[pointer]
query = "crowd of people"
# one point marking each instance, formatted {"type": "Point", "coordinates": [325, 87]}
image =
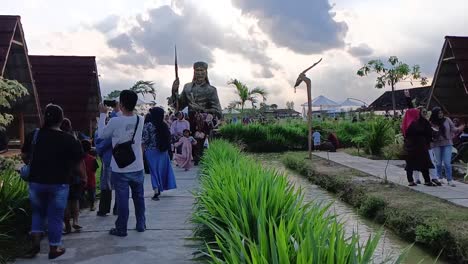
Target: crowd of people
{"type": "Point", "coordinates": [63, 168]}
{"type": "Point", "coordinates": [428, 144]}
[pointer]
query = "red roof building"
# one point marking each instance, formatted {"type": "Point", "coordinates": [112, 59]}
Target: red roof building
{"type": "Point", "coordinates": [71, 82]}
{"type": "Point", "coordinates": [449, 88]}
{"type": "Point", "coordinates": [14, 65]}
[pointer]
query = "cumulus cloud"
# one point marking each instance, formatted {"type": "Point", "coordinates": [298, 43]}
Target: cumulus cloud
{"type": "Point", "coordinates": [107, 24]}
{"type": "Point", "coordinates": [361, 50]}
{"type": "Point", "coordinates": [304, 26]}
{"type": "Point", "coordinates": [195, 33]}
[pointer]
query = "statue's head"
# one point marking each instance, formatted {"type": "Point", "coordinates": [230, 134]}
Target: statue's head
{"type": "Point", "coordinates": [200, 73]}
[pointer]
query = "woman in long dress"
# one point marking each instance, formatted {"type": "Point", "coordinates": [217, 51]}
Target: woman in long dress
{"type": "Point", "coordinates": [417, 133]}
{"type": "Point", "coordinates": [157, 141]}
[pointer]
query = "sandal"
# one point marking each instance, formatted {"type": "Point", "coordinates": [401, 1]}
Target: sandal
{"type": "Point", "coordinates": [32, 253]}
{"type": "Point", "coordinates": [59, 251]}
{"type": "Point", "coordinates": [115, 232]}
{"type": "Point", "coordinates": [437, 182]}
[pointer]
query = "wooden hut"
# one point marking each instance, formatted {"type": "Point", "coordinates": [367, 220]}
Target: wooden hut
{"type": "Point", "coordinates": [384, 102]}
{"type": "Point", "coordinates": [449, 87]}
{"type": "Point", "coordinates": [15, 65]}
{"type": "Point", "coordinates": [71, 82]}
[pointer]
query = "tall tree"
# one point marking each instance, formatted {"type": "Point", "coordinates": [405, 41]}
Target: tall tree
{"type": "Point", "coordinates": [113, 95]}
{"type": "Point", "coordinates": [144, 87]}
{"type": "Point", "coordinates": [391, 74]}
{"type": "Point", "coordinates": [140, 87]}
{"type": "Point", "coordinates": [290, 105]}
{"type": "Point", "coordinates": [245, 94]}
{"type": "Point", "coordinates": [10, 91]}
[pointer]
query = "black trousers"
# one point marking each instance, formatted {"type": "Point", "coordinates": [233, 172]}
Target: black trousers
{"type": "Point", "coordinates": [105, 202]}
{"type": "Point", "coordinates": [425, 174]}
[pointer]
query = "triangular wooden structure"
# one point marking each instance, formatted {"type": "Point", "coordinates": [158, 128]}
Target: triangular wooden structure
{"type": "Point", "coordinates": [449, 88]}
{"type": "Point", "coordinates": [14, 65]}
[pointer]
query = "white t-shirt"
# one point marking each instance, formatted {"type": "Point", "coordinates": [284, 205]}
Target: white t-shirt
{"type": "Point", "coordinates": [120, 129]}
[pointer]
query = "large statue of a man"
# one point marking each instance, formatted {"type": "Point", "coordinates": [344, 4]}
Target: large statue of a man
{"type": "Point", "coordinates": [198, 95]}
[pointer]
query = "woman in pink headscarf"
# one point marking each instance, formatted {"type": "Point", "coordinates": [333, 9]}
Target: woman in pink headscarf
{"type": "Point", "coordinates": [184, 160]}
{"type": "Point", "coordinates": [418, 134]}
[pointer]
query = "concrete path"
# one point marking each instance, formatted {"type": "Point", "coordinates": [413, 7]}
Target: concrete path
{"type": "Point", "coordinates": [164, 241]}
{"type": "Point", "coordinates": [457, 195]}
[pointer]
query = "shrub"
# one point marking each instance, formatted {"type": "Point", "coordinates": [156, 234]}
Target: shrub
{"type": "Point", "coordinates": [267, 137]}
{"type": "Point", "coordinates": [346, 131]}
{"type": "Point", "coordinates": [371, 206]}
{"type": "Point", "coordinates": [249, 214]}
{"type": "Point", "coordinates": [14, 211]}
{"type": "Point", "coordinates": [392, 151]}
{"type": "Point", "coordinates": [379, 135]}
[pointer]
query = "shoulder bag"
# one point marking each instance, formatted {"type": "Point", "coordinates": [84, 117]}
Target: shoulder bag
{"type": "Point", "coordinates": [123, 152]}
{"type": "Point", "coordinates": [25, 171]}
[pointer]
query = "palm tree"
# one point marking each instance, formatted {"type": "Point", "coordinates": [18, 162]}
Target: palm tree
{"type": "Point", "coordinates": [144, 87]}
{"type": "Point", "coordinates": [245, 94]}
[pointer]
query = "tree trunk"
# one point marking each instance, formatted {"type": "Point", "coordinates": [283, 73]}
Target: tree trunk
{"type": "Point", "coordinates": [393, 100]}
{"type": "Point", "coordinates": [309, 120]}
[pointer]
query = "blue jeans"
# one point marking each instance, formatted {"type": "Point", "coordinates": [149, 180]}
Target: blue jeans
{"type": "Point", "coordinates": [122, 182]}
{"type": "Point", "coordinates": [48, 200]}
{"type": "Point", "coordinates": [444, 155]}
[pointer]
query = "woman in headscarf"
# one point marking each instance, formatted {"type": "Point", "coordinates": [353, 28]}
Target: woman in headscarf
{"type": "Point", "coordinates": [417, 133]}
{"type": "Point", "coordinates": [157, 141]}
{"type": "Point", "coordinates": [442, 142]}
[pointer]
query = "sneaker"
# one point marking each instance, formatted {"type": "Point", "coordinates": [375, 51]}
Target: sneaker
{"type": "Point", "coordinates": [155, 197]}
{"type": "Point", "coordinates": [418, 182]}
{"type": "Point", "coordinates": [429, 184]}
{"type": "Point", "coordinates": [115, 232]}
{"type": "Point", "coordinates": [442, 181]}
{"type": "Point", "coordinates": [141, 228]}
{"type": "Point", "coordinates": [101, 214]}
{"type": "Point", "coordinates": [412, 184]}
{"type": "Point", "coordinates": [451, 183]}
{"type": "Point", "coordinates": [436, 182]}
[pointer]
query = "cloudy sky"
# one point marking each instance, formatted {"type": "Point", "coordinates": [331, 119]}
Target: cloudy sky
{"type": "Point", "coordinates": [264, 43]}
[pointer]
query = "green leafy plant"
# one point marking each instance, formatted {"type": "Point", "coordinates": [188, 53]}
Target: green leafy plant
{"type": "Point", "coordinates": [10, 91]}
{"type": "Point", "coordinates": [245, 213]}
{"type": "Point", "coordinates": [14, 212]}
{"type": "Point", "coordinates": [392, 74]}
{"type": "Point", "coordinates": [379, 135]}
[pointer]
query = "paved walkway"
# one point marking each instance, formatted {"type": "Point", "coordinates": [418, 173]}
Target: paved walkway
{"type": "Point", "coordinates": [164, 241]}
{"type": "Point", "coordinates": [457, 195]}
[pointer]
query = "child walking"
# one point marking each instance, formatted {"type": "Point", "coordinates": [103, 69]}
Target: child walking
{"type": "Point", "coordinates": [184, 160]}
{"type": "Point", "coordinates": [91, 168]}
{"type": "Point", "coordinates": [316, 136]}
